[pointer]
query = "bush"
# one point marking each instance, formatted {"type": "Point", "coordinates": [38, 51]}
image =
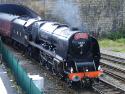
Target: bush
{"type": "Point", "coordinates": [116, 35]}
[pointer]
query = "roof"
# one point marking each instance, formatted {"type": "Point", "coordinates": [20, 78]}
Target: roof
{"type": "Point", "coordinates": [19, 10]}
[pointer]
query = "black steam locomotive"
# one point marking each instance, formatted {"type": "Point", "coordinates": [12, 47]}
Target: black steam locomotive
{"type": "Point", "coordinates": [69, 53]}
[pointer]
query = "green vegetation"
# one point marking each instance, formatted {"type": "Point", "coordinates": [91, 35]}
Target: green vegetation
{"type": "Point", "coordinates": [116, 35]}
{"type": "Point", "coordinates": [117, 45]}
{"type": "Point", "coordinates": [114, 41]}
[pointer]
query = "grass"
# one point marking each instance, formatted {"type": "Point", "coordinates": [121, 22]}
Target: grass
{"type": "Point", "coordinates": [114, 45]}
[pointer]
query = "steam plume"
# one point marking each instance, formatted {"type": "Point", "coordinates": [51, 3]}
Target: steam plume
{"type": "Point", "coordinates": [70, 12]}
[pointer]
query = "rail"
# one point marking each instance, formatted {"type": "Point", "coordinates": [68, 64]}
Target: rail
{"type": "Point", "coordinates": [114, 67]}
{"type": "Point", "coordinates": [105, 87]}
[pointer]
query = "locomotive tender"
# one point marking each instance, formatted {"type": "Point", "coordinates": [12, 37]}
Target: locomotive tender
{"type": "Point", "coordinates": [70, 53]}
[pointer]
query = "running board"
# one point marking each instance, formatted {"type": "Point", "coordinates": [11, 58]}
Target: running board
{"type": "Point", "coordinates": [46, 51]}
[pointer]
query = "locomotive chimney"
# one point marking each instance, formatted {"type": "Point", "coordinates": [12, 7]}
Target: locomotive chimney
{"type": "Point", "coordinates": [74, 29]}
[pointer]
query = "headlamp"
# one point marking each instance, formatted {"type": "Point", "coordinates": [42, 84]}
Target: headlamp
{"type": "Point", "coordinates": [76, 78]}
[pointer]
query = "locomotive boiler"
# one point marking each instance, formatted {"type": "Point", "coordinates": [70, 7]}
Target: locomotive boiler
{"type": "Point", "coordinates": [68, 52]}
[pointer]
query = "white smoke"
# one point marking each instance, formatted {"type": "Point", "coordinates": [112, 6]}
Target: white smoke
{"type": "Point", "coordinates": [70, 12]}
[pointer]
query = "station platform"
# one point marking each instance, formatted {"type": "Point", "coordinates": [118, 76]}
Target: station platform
{"type": "Point", "coordinates": [6, 86]}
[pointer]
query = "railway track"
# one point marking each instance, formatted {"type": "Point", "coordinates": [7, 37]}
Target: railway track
{"type": "Point", "coordinates": [116, 74]}
{"type": "Point", "coordinates": [105, 87]}
{"type": "Point", "coordinates": [113, 58]}
{"type": "Point", "coordinates": [114, 67]}
{"type": "Point", "coordinates": [117, 65]}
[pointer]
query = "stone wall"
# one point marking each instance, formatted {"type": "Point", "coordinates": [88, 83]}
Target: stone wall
{"type": "Point", "coordinates": [97, 15]}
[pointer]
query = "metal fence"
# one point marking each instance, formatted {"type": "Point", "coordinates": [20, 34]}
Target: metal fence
{"type": "Point", "coordinates": [21, 76]}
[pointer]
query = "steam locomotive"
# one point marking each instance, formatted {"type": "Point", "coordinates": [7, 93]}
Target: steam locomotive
{"type": "Point", "coordinates": [68, 53]}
